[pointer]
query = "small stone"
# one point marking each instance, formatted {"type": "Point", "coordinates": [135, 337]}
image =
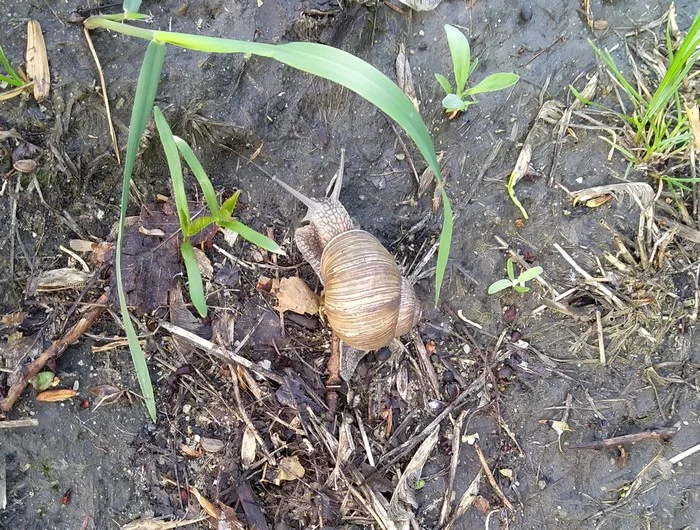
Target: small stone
{"type": "Point", "coordinates": [24, 166]}
{"type": "Point", "coordinates": [526, 12]}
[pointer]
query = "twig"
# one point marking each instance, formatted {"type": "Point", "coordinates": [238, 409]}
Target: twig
{"type": "Point", "coordinates": [220, 352]}
{"type": "Point", "coordinates": [365, 440]}
{"type": "Point", "coordinates": [663, 433]}
{"type": "Point", "coordinates": [113, 135]}
{"type": "Point", "coordinates": [18, 424]}
{"type": "Point", "coordinates": [54, 351]}
{"type": "Point", "coordinates": [601, 338]}
{"type": "Point", "coordinates": [428, 367]}
{"type": "Point", "coordinates": [684, 454]}
{"type": "Point", "coordinates": [466, 501]}
{"type": "Point", "coordinates": [408, 155]}
{"type": "Point", "coordinates": [456, 439]}
{"type": "Point", "coordinates": [333, 381]}
{"type": "Point", "coordinates": [490, 477]}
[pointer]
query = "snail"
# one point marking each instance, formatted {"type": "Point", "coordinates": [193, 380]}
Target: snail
{"type": "Point", "coordinates": [367, 302]}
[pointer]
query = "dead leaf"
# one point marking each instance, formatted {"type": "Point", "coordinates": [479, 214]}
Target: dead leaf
{"type": "Point", "coordinates": [248, 448]}
{"type": "Point", "coordinates": [404, 77]}
{"type": "Point", "coordinates": [600, 24]}
{"type": "Point", "coordinates": [37, 61]}
{"type": "Point", "coordinates": [694, 121]}
{"type": "Point", "coordinates": [228, 520]}
{"type": "Point", "coordinates": [294, 295]}
{"type": "Point", "coordinates": [58, 279]}
{"type": "Point", "coordinates": [428, 176]}
{"type": "Point", "coordinates": [13, 319]}
{"type": "Point", "coordinates": [289, 469]}
{"type": "Point", "coordinates": [191, 451]}
{"type": "Point", "coordinates": [404, 493]}
{"type": "Point", "coordinates": [53, 396]}
{"type": "Point", "coordinates": [179, 314]}
{"type": "Point", "coordinates": [211, 445]}
{"type": "Point", "coordinates": [157, 524]}
{"type": "Point", "coordinates": [203, 263]}
{"type": "Point", "coordinates": [421, 5]}
{"type": "Point", "coordinates": [206, 505]}
{"type": "Point", "coordinates": [97, 257]}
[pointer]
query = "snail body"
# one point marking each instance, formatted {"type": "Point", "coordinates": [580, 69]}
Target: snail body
{"type": "Point", "coordinates": [367, 301]}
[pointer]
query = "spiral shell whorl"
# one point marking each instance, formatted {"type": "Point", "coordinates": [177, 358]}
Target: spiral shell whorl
{"type": "Point", "coordinates": [362, 293]}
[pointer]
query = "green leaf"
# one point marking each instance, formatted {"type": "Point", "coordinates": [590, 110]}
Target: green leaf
{"type": "Point", "coordinates": [452, 102]}
{"type": "Point", "coordinates": [146, 89]}
{"type": "Point", "coordinates": [42, 380]}
{"type": "Point", "coordinates": [167, 140]}
{"type": "Point", "coordinates": [499, 286]}
{"type": "Point", "coordinates": [229, 205]}
{"type": "Point", "coordinates": [521, 288]}
{"type": "Point", "coordinates": [131, 6]}
{"type": "Point", "coordinates": [194, 279]}
{"type": "Point", "coordinates": [459, 50]}
{"type": "Point", "coordinates": [510, 270]}
{"type": "Point", "coordinates": [199, 224]}
{"type": "Point", "coordinates": [200, 175]}
{"type": "Point", "coordinates": [493, 83]}
{"type": "Point", "coordinates": [444, 83]}
{"type": "Point", "coordinates": [251, 235]}
{"type": "Point", "coordinates": [332, 64]}
{"type": "Point", "coordinates": [530, 274]}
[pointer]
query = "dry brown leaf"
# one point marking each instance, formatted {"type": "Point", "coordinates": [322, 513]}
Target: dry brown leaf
{"type": "Point", "coordinates": [204, 265]}
{"type": "Point", "coordinates": [156, 524]}
{"type": "Point", "coordinates": [641, 192]}
{"type": "Point", "coordinates": [206, 505]}
{"type": "Point", "coordinates": [13, 319]}
{"type": "Point", "coordinates": [404, 77]}
{"type": "Point", "coordinates": [421, 5]}
{"type": "Point", "coordinates": [37, 61]}
{"type": "Point", "coordinates": [80, 245]}
{"type": "Point", "coordinates": [289, 469]}
{"type": "Point", "coordinates": [228, 520]}
{"type": "Point", "coordinates": [428, 176]}
{"type": "Point", "coordinates": [52, 396]}
{"type": "Point", "coordinates": [211, 445]}
{"type": "Point", "coordinates": [248, 448]}
{"type": "Point", "coordinates": [58, 279]}
{"type": "Point", "coordinates": [404, 493]}
{"type": "Point", "coordinates": [694, 121]}
{"type": "Point", "coordinates": [294, 295]}
{"type": "Point", "coordinates": [191, 451]}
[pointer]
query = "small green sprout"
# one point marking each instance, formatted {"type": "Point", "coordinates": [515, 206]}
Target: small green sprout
{"type": "Point", "coordinates": [518, 284]}
{"type": "Point", "coordinates": [459, 100]}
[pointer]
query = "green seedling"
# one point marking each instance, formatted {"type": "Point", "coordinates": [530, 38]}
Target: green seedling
{"type": "Point", "coordinates": [10, 78]}
{"type": "Point", "coordinates": [175, 148]}
{"type": "Point", "coordinates": [518, 284]}
{"type": "Point", "coordinates": [317, 59]}
{"type": "Point", "coordinates": [460, 98]}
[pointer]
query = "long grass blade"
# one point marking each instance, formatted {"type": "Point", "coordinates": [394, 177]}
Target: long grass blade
{"type": "Point", "coordinates": [251, 235]}
{"type": "Point", "coordinates": [167, 140]}
{"type": "Point", "coordinates": [194, 278]}
{"type": "Point", "coordinates": [332, 64]}
{"type": "Point", "coordinates": [146, 89]}
{"type": "Point", "coordinates": [460, 52]}
{"type": "Point", "coordinates": [200, 175]}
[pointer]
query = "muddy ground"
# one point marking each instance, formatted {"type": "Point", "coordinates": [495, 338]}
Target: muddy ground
{"type": "Point", "coordinates": [113, 460]}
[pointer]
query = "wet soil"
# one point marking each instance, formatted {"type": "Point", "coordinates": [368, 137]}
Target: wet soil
{"type": "Point", "coordinates": [112, 459]}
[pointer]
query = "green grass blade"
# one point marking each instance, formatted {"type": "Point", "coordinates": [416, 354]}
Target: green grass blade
{"type": "Point", "coordinates": [444, 83]}
{"type": "Point", "coordinates": [131, 6]}
{"type": "Point", "coordinates": [229, 205]}
{"type": "Point", "coordinates": [146, 89]}
{"type": "Point", "coordinates": [199, 224]}
{"type": "Point", "coordinates": [200, 175]}
{"type": "Point", "coordinates": [194, 278]}
{"type": "Point", "coordinates": [167, 140]}
{"type": "Point", "coordinates": [251, 235]}
{"type": "Point", "coordinates": [609, 62]}
{"type": "Point", "coordinates": [460, 52]}
{"type": "Point", "coordinates": [493, 83]}
{"type": "Point", "coordinates": [337, 66]}
{"type": "Point", "coordinates": [11, 78]}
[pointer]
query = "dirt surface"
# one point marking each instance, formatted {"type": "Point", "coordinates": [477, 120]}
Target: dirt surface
{"type": "Point", "coordinates": [111, 461]}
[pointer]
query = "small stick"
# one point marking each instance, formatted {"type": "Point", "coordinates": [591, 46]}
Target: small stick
{"type": "Point", "coordinates": [684, 454]}
{"type": "Point", "coordinates": [365, 440]}
{"type": "Point", "coordinates": [426, 364]}
{"type": "Point", "coordinates": [408, 155]}
{"type": "Point", "coordinates": [333, 381]}
{"type": "Point", "coordinates": [663, 433]}
{"type": "Point", "coordinates": [115, 145]}
{"type": "Point", "coordinates": [220, 352]}
{"type": "Point", "coordinates": [456, 438]}
{"type": "Point", "coordinates": [54, 351]}
{"type": "Point", "coordinates": [601, 338]}
{"type": "Point", "coordinates": [490, 477]}
{"type": "Point", "coordinates": [18, 424]}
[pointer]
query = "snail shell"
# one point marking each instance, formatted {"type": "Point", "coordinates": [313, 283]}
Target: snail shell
{"type": "Point", "coordinates": [366, 300]}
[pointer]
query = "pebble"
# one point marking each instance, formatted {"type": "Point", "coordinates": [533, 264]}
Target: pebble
{"type": "Point", "coordinates": [526, 12]}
